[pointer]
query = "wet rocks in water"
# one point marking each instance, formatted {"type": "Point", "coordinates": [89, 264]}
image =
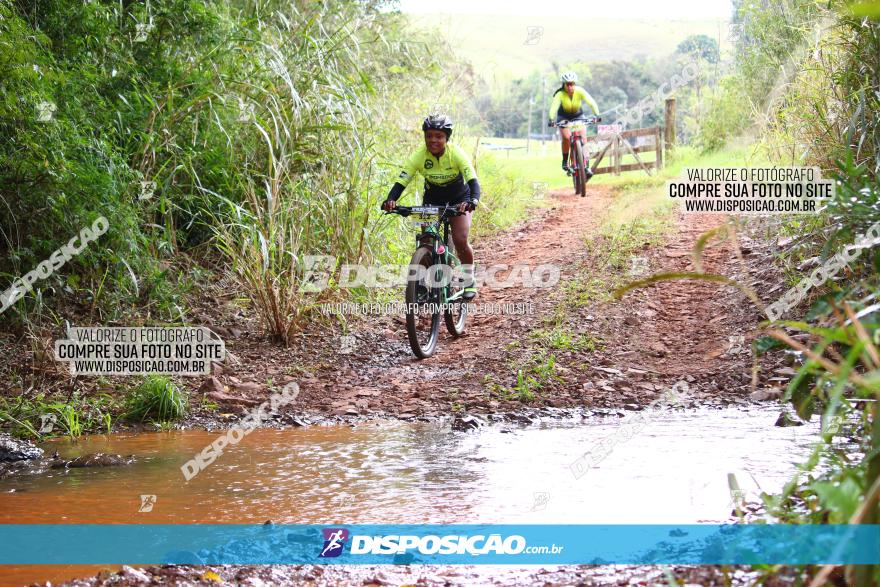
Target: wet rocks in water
{"type": "Point", "coordinates": [467, 422]}
{"type": "Point", "coordinates": [785, 419]}
{"type": "Point", "coordinates": [12, 449]}
{"type": "Point", "coordinates": [769, 393]}
{"type": "Point", "coordinates": [133, 574]}
{"type": "Point", "coordinates": [97, 459]}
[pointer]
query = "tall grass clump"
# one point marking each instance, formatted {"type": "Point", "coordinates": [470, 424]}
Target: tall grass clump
{"type": "Point", "coordinates": [156, 398]}
{"type": "Point", "coordinates": [266, 127]}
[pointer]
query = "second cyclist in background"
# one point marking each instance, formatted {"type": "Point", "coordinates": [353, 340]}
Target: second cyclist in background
{"type": "Point", "coordinates": [568, 104]}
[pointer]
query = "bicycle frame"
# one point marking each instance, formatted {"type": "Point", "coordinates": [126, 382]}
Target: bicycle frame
{"type": "Point", "coordinates": [433, 253]}
{"type": "Point", "coordinates": [430, 234]}
{"type": "Point", "coordinates": [578, 128]}
{"type": "Point", "coordinates": [578, 131]}
{"type": "Point", "coordinates": [578, 149]}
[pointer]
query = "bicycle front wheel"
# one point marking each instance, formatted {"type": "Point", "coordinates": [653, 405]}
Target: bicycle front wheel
{"type": "Point", "coordinates": [455, 313]}
{"type": "Point", "coordinates": [422, 306]}
{"type": "Point", "coordinates": [581, 171]}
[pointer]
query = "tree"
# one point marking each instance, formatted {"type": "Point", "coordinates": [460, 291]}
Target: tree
{"type": "Point", "coordinates": [701, 46]}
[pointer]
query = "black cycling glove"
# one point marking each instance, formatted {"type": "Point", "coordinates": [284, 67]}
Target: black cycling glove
{"type": "Point", "coordinates": [395, 192]}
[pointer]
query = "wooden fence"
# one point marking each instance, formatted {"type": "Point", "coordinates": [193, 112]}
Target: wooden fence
{"type": "Point", "coordinates": [617, 145]}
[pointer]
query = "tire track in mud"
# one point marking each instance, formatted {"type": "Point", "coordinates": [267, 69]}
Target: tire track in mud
{"type": "Point", "coordinates": [691, 330]}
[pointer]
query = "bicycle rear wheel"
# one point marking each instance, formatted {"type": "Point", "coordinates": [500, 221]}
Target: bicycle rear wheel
{"type": "Point", "coordinates": [581, 169]}
{"type": "Point", "coordinates": [422, 308]}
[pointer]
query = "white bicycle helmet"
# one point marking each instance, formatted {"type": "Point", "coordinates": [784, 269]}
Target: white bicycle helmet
{"type": "Point", "coordinates": [569, 76]}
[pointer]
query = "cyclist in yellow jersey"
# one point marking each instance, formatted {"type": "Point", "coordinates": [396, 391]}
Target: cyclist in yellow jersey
{"type": "Point", "coordinates": [449, 179]}
{"type": "Point", "coordinates": [568, 104]}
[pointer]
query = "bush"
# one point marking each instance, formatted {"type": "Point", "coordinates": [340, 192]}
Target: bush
{"type": "Point", "coordinates": [728, 113]}
{"type": "Point", "coordinates": [157, 398]}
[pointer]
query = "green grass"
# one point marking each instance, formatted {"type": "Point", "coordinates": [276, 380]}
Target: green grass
{"type": "Point", "coordinates": [40, 417]}
{"type": "Point", "coordinates": [532, 375]}
{"type": "Point", "coordinates": [562, 339]}
{"type": "Point", "coordinates": [156, 398]}
{"type": "Point", "coordinates": [541, 165]}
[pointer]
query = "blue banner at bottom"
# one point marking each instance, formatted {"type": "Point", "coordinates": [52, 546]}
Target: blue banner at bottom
{"type": "Point", "coordinates": [144, 544]}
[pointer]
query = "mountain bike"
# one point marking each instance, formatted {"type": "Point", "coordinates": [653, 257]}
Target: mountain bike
{"type": "Point", "coordinates": [435, 288]}
{"type": "Point", "coordinates": [579, 161]}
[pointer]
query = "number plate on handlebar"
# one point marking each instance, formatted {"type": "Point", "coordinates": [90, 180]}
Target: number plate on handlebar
{"type": "Point", "coordinates": [425, 210]}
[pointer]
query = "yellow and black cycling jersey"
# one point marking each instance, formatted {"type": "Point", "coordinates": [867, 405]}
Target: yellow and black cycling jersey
{"type": "Point", "coordinates": [571, 107]}
{"type": "Point", "coordinates": [452, 165]}
{"type": "Point", "coordinates": [449, 178]}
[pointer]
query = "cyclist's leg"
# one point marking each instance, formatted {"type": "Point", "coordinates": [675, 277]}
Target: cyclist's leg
{"type": "Point", "coordinates": [566, 145]}
{"type": "Point", "coordinates": [461, 227]}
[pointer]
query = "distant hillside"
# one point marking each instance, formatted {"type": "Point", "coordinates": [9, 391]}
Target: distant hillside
{"type": "Point", "coordinates": [496, 44]}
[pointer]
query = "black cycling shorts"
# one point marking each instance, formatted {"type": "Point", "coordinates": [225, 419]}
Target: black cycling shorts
{"type": "Point", "coordinates": [454, 193]}
{"type": "Point", "coordinates": [563, 115]}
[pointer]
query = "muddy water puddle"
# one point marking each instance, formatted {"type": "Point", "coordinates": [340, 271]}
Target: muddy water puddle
{"type": "Point", "coordinates": [674, 470]}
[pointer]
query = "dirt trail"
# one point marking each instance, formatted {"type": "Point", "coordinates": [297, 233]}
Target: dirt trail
{"type": "Point", "coordinates": [647, 341]}
{"type": "Point", "coordinates": [391, 379]}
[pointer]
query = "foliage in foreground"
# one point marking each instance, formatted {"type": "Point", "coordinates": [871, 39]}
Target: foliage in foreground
{"type": "Point", "coordinates": [156, 398]}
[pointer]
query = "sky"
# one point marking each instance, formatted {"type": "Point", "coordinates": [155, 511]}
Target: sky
{"type": "Point", "coordinates": [629, 9]}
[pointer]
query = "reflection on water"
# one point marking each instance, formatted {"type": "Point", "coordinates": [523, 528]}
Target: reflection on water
{"type": "Point", "coordinates": [674, 471]}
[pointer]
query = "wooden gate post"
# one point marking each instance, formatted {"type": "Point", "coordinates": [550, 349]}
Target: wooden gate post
{"type": "Point", "coordinates": [658, 161]}
{"type": "Point", "coordinates": [669, 128]}
{"type": "Point", "coordinates": [617, 154]}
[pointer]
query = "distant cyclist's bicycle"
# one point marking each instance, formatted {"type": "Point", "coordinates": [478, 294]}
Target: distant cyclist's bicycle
{"type": "Point", "coordinates": [433, 285]}
{"type": "Point", "coordinates": [579, 162]}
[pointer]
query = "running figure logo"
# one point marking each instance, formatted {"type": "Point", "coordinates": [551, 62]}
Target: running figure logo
{"type": "Point", "coordinates": [334, 540]}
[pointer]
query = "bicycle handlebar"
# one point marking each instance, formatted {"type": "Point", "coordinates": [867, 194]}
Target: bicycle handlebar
{"type": "Point", "coordinates": [440, 211]}
{"type": "Point", "coordinates": [587, 119]}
